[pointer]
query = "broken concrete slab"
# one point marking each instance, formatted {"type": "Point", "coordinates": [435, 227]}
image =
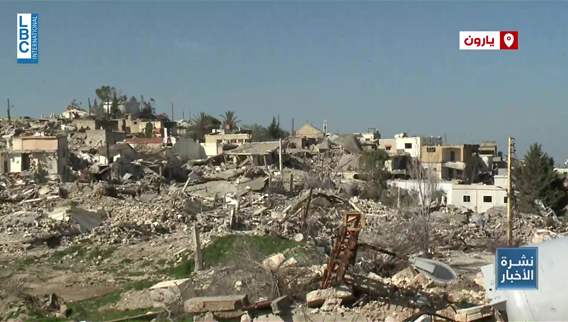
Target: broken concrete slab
{"type": "Point", "coordinates": [404, 277]}
{"type": "Point", "coordinates": [215, 303]}
{"type": "Point", "coordinates": [212, 189]}
{"type": "Point", "coordinates": [85, 219]}
{"type": "Point", "coordinates": [207, 317]}
{"type": "Point", "coordinates": [169, 293]}
{"type": "Point", "coordinates": [256, 184]}
{"type": "Point", "coordinates": [273, 262]}
{"type": "Point", "coordinates": [289, 262]}
{"type": "Point", "coordinates": [318, 297]}
{"type": "Point", "coordinates": [475, 313]}
{"type": "Point", "coordinates": [541, 235]}
{"type": "Point", "coordinates": [228, 315]}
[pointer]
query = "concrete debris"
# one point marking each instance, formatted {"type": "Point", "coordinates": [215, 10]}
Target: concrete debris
{"type": "Point", "coordinates": [207, 317]}
{"type": "Point", "coordinates": [318, 297]}
{"type": "Point", "coordinates": [541, 235]}
{"type": "Point", "coordinates": [118, 221]}
{"type": "Point", "coordinates": [273, 262]}
{"type": "Point", "coordinates": [476, 313]}
{"type": "Point", "coordinates": [215, 303]}
{"type": "Point", "coordinates": [169, 294]}
{"type": "Point", "coordinates": [85, 219]}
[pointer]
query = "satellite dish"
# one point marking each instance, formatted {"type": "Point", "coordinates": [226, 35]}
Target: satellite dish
{"type": "Point", "coordinates": [435, 270]}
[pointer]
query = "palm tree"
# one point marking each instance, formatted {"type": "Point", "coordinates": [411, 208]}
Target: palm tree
{"type": "Point", "coordinates": [230, 121]}
{"type": "Point", "coordinates": [203, 124]}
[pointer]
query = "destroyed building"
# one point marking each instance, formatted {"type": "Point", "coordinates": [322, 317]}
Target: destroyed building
{"type": "Point", "coordinates": [306, 135]}
{"type": "Point", "coordinates": [255, 153]}
{"type": "Point", "coordinates": [234, 138]}
{"type": "Point", "coordinates": [38, 153]}
{"type": "Point", "coordinates": [449, 162]}
{"type": "Point", "coordinates": [273, 244]}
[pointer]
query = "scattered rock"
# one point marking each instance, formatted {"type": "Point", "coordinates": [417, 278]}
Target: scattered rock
{"type": "Point", "coordinates": [318, 297]}
{"type": "Point", "coordinates": [273, 262]}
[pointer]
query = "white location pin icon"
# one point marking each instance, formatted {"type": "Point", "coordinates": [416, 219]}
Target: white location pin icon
{"type": "Point", "coordinates": [509, 39]}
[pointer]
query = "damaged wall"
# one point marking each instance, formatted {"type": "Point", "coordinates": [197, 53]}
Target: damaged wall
{"type": "Point", "coordinates": [189, 149]}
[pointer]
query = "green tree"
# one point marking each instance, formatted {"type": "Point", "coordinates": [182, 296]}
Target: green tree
{"type": "Point", "coordinates": [105, 93]}
{"type": "Point", "coordinates": [149, 130]}
{"type": "Point", "coordinates": [202, 125]}
{"type": "Point", "coordinates": [259, 132]}
{"type": "Point", "coordinates": [372, 166]}
{"type": "Point", "coordinates": [535, 179]}
{"type": "Point", "coordinates": [114, 111]}
{"type": "Point", "coordinates": [274, 130]}
{"type": "Point", "coordinates": [147, 109]}
{"type": "Point", "coordinates": [230, 121]}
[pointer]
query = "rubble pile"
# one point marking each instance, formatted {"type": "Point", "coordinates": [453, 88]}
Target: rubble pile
{"type": "Point", "coordinates": [149, 208]}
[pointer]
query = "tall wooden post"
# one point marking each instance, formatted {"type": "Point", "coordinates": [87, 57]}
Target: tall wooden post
{"type": "Point", "coordinates": [291, 182]}
{"type": "Point", "coordinates": [280, 156]}
{"type": "Point", "coordinates": [197, 252]}
{"type": "Point", "coordinates": [509, 193]}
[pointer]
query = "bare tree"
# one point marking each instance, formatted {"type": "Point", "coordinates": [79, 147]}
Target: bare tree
{"type": "Point", "coordinates": [426, 188]}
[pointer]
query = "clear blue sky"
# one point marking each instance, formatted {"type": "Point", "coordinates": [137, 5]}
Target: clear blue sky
{"type": "Point", "coordinates": [391, 65]}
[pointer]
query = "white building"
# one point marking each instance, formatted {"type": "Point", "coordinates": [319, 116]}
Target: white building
{"type": "Point", "coordinates": [73, 112]}
{"type": "Point", "coordinates": [477, 197]}
{"type": "Point", "coordinates": [409, 144]}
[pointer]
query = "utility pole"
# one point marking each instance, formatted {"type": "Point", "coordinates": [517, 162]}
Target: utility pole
{"type": "Point", "coordinates": [510, 192]}
{"type": "Point", "coordinates": [107, 134]}
{"type": "Point", "coordinates": [280, 157]}
{"type": "Point", "coordinates": [292, 132]}
{"type": "Point", "coordinates": [198, 260]}
{"type": "Point", "coordinates": [8, 112]}
{"type": "Point", "coordinates": [172, 112]}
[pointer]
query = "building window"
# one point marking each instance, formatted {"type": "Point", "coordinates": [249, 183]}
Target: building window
{"type": "Point", "coordinates": [505, 199]}
{"type": "Point", "coordinates": [388, 147]}
{"type": "Point", "coordinates": [408, 145]}
{"type": "Point", "coordinates": [452, 156]}
{"type": "Point", "coordinates": [487, 199]}
{"type": "Point", "coordinates": [466, 199]}
{"type": "Point", "coordinates": [430, 149]}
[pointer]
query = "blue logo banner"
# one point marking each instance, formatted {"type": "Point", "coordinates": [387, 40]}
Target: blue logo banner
{"type": "Point", "coordinates": [27, 47]}
{"type": "Point", "coordinates": [516, 268]}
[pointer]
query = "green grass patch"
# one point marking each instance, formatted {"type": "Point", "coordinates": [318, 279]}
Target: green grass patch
{"type": "Point", "coordinates": [80, 250]}
{"type": "Point", "coordinates": [83, 252]}
{"type": "Point", "coordinates": [86, 308]}
{"type": "Point", "coordinates": [23, 263]}
{"type": "Point", "coordinates": [182, 270]}
{"type": "Point", "coordinates": [103, 253]}
{"type": "Point", "coordinates": [230, 249]}
{"type": "Point", "coordinates": [89, 309]}
{"type": "Point", "coordinates": [306, 255]}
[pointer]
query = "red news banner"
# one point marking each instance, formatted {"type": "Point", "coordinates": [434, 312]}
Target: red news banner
{"type": "Point", "coordinates": [489, 40]}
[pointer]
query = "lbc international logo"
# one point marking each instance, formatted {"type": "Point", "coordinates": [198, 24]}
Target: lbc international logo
{"type": "Point", "coordinates": [27, 51]}
{"type": "Point", "coordinates": [489, 40]}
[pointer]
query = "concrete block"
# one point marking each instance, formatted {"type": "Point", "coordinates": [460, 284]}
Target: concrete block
{"type": "Point", "coordinates": [273, 262]}
{"type": "Point", "coordinates": [215, 303]}
{"type": "Point", "coordinates": [475, 313]}
{"type": "Point", "coordinates": [168, 293]}
{"type": "Point", "coordinates": [317, 298]}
